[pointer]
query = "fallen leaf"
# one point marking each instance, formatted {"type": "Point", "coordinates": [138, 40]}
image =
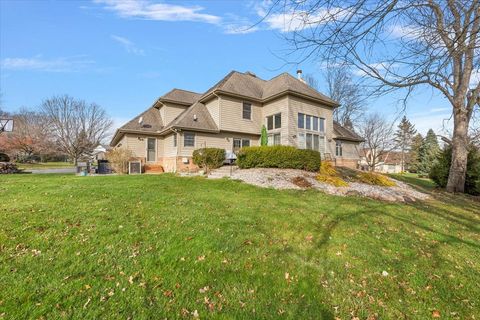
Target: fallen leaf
{"type": "Point", "coordinates": [309, 238]}
{"type": "Point", "coordinates": [201, 258]}
{"type": "Point", "coordinates": [436, 314]}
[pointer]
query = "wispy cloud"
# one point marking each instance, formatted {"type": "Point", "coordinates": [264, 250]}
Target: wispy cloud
{"type": "Point", "coordinates": [145, 9]}
{"type": "Point", "coordinates": [38, 63]}
{"type": "Point", "coordinates": [128, 45]}
{"type": "Point", "coordinates": [440, 109]}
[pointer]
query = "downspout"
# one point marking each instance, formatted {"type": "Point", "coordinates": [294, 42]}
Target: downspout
{"type": "Point", "coordinates": [176, 149]}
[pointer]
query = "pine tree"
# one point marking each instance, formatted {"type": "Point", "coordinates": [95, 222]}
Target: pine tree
{"type": "Point", "coordinates": [403, 138]}
{"type": "Point", "coordinates": [414, 153]}
{"type": "Point", "coordinates": [428, 152]}
{"type": "Point", "coordinates": [264, 137]}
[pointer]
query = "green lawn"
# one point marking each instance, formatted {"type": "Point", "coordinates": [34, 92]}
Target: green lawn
{"type": "Point", "coordinates": [44, 165]}
{"type": "Point", "coordinates": [154, 247]}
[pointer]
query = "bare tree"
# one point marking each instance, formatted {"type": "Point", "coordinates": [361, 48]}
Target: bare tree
{"type": "Point", "coordinates": [78, 127]}
{"type": "Point", "coordinates": [345, 91]}
{"type": "Point", "coordinates": [311, 81]}
{"type": "Point", "coordinates": [399, 45]}
{"type": "Point", "coordinates": [378, 135]}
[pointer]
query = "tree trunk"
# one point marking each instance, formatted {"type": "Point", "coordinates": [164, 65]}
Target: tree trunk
{"type": "Point", "coordinates": [458, 168]}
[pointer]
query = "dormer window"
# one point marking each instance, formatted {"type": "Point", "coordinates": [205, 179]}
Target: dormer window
{"type": "Point", "coordinates": [247, 111]}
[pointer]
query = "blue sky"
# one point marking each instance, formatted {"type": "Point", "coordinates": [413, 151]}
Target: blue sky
{"type": "Point", "coordinates": [123, 54]}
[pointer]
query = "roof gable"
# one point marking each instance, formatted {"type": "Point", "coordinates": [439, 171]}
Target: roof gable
{"type": "Point", "coordinates": [195, 117]}
{"type": "Point", "coordinates": [181, 96]}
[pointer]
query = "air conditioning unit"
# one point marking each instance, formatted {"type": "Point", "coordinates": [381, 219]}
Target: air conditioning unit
{"type": "Point", "coordinates": [134, 167]}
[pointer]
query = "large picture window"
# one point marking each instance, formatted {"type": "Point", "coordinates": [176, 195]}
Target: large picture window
{"type": "Point", "coordinates": [274, 121]}
{"type": "Point", "coordinates": [312, 123]}
{"type": "Point", "coordinates": [189, 139]}
{"type": "Point", "coordinates": [247, 111]}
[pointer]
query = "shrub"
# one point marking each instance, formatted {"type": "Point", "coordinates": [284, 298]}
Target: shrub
{"type": "Point", "coordinates": [8, 167]}
{"type": "Point", "coordinates": [333, 180]}
{"type": "Point", "coordinates": [118, 159]}
{"type": "Point", "coordinates": [375, 179]}
{"type": "Point", "coordinates": [278, 157]}
{"type": "Point", "coordinates": [329, 175]}
{"type": "Point", "coordinates": [209, 158]}
{"type": "Point", "coordinates": [4, 157]}
{"type": "Point", "coordinates": [440, 171]}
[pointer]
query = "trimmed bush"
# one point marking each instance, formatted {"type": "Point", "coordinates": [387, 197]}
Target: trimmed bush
{"type": "Point", "coordinates": [8, 167]}
{"type": "Point", "coordinates": [209, 158]}
{"type": "Point", "coordinates": [439, 172]}
{"type": "Point", "coordinates": [375, 179]}
{"type": "Point", "coordinates": [284, 157]}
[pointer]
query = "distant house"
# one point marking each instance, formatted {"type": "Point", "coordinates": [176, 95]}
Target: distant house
{"type": "Point", "coordinates": [390, 162]}
{"type": "Point", "coordinates": [230, 115]}
{"type": "Point", "coordinates": [99, 153]}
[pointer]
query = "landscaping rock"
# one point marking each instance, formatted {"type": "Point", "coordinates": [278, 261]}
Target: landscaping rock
{"type": "Point", "coordinates": [284, 179]}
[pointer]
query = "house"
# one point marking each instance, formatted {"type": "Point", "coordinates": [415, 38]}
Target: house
{"type": "Point", "coordinates": [389, 162]}
{"type": "Point", "coordinates": [230, 115]}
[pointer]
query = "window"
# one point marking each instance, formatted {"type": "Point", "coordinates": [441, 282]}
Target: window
{"type": "Point", "coordinates": [301, 120]}
{"type": "Point", "coordinates": [278, 121]}
{"type": "Point", "coordinates": [322, 125]}
{"type": "Point", "coordinates": [151, 142]}
{"type": "Point", "coordinates": [237, 144]}
{"type": "Point", "coordinates": [240, 143]}
{"type": "Point", "coordinates": [276, 139]}
{"type": "Point", "coordinates": [270, 123]}
{"type": "Point", "coordinates": [316, 142]}
{"type": "Point", "coordinates": [309, 141]}
{"type": "Point", "coordinates": [315, 124]}
{"type": "Point", "coordinates": [189, 139]}
{"type": "Point", "coordinates": [247, 111]}
{"type": "Point", "coordinates": [274, 122]}
{"type": "Point", "coordinates": [174, 139]}
{"type": "Point", "coordinates": [338, 149]}
{"type": "Point", "coordinates": [308, 122]}
{"type": "Point", "coordinates": [301, 140]}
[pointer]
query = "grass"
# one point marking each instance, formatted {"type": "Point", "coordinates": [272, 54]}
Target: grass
{"type": "Point", "coordinates": [151, 247]}
{"type": "Point", "coordinates": [44, 165]}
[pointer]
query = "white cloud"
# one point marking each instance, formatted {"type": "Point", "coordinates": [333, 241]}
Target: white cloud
{"type": "Point", "coordinates": [404, 32]}
{"type": "Point", "coordinates": [439, 109]}
{"type": "Point", "coordinates": [38, 63]}
{"type": "Point", "coordinates": [145, 9]}
{"type": "Point", "coordinates": [128, 45]}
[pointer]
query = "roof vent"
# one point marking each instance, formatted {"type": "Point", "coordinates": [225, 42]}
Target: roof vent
{"type": "Point", "coordinates": [195, 117]}
{"type": "Point", "coordinates": [251, 74]}
{"type": "Point", "coordinates": [140, 120]}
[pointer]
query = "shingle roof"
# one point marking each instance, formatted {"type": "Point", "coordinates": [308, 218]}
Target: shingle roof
{"type": "Point", "coordinates": [343, 133]}
{"type": "Point", "coordinates": [196, 117]}
{"type": "Point", "coordinates": [151, 122]}
{"type": "Point", "coordinates": [246, 84]}
{"type": "Point", "coordinates": [181, 96]}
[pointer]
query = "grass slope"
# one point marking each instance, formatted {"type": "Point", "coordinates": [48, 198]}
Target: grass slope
{"type": "Point", "coordinates": [147, 247]}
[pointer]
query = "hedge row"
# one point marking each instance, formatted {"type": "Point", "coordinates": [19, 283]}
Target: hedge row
{"type": "Point", "coordinates": [208, 158]}
{"type": "Point", "coordinates": [278, 157]}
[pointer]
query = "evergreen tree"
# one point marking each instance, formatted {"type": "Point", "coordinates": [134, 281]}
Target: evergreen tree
{"type": "Point", "coordinates": [428, 152]}
{"type": "Point", "coordinates": [403, 137]}
{"type": "Point", "coordinates": [414, 153]}
{"type": "Point", "coordinates": [264, 137]}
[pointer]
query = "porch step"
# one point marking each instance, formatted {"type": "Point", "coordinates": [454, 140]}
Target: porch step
{"type": "Point", "coordinates": [222, 172]}
{"type": "Point", "coordinates": [153, 168]}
